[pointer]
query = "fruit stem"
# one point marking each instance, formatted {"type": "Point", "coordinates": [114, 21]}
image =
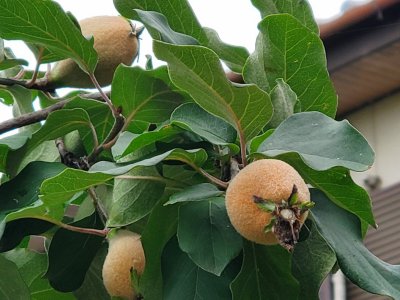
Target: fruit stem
{"type": "Point", "coordinates": [104, 95]}
{"type": "Point", "coordinates": [36, 71]}
{"type": "Point", "coordinates": [98, 232]}
{"type": "Point", "coordinates": [243, 148]}
{"type": "Point", "coordinates": [98, 205]}
{"type": "Point", "coordinates": [213, 179]}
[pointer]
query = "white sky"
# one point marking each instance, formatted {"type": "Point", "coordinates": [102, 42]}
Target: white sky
{"type": "Point", "coordinates": [235, 21]}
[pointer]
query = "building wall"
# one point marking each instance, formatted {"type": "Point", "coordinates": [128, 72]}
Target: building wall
{"type": "Point", "coordinates": [380, 124]}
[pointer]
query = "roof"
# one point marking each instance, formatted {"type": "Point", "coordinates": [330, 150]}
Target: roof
{"type": "Point", "coordinates": [363, 53]}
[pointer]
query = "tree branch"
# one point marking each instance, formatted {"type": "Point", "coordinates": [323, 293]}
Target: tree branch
{"type": "Point", "coordinates": [31, 118]}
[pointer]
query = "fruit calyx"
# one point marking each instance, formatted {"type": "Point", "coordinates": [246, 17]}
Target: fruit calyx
{"type": "Point", "coordinates": [285, 223]}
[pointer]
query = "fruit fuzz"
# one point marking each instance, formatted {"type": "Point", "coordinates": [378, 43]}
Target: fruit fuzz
{"type": "Point", "coordinates": [257, 202]}
{"type": "Point", "coordinates": [125, 255]}
{"type": "Point", "coordinates": [115, 41]}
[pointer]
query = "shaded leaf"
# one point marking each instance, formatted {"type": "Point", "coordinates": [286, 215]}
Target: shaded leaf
{"type": "Point", "coordinates": [185, 280]}
{"type": "Point", "coordinates": [288, 50]}
{"type": "Point", "coordinates": [12, 286]}
{"type": "Point", "coordinates": [22, 191]}
{"type": "Point", "coordinates": [16, 230]}
{"type": "Point", "coordinates": [312, 261]}
{"type": "Point", "coordinates": [135, 195]}
{"type": "Point", "coordinates": [192, 117]}
{"type": "Point", "coordinates": [45, 23]}
{"type": "Point", "coordinates": [207, 236]}
{"type": "Point", "coordinates": [93, 286]}
{"type": "Point", "coordinates": [265, 274]}
{"type": "Point", "coordinates": [67, 275]}
{"type": "Point", "coordinates": [356, 262]}
{"type": "Point", "coordinates": [198, 192]}
{"type": "Point", "coordinates": [300, 9]}
{"type": "Point", "coordinates": [12, 142]}
{"type": "Point", "coordinates": [198, 71]}
{"type": "Point", "coordinates": [321, 142]}
{"type": "Point", "coordinates": [162, 223]}
{"type": "Point", "coordinates": [32, 266]}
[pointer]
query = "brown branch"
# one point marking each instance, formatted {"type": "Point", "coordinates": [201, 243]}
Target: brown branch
{"type": "Point", "coordinates": [31, 118]}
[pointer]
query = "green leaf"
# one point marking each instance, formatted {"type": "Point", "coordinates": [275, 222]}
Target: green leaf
{"type": "Point", "coordinates": [288, 50]}
{"type": "Point", "coordinates": [258, 140]}
{"type": "Point", "coordinates": [299, 9]}
{"type": "Point", "coordinates": [16, 230]}
{"type": "Point", "coordinates": [66, 275]}
{"type": "Point", "coordinates": [313, 259]}
{"type": "Point", "coordinates": [45, 23]}
{"type": "Point", "coordinates": [32, 266]}
{"type": "Point", "coordinates": [162, 224]}
{"type": "Point", "coordinates": [198, 192]}
{"type": "Point", "coordinates": [100, 117]}
{"type": "Point", "coordinates": [142, 96]}
{"type": "Point", "coordinates": [198, 71]}
{"type": "Point", "coordinates": [187, 23]}
{"type": "Point", "coordinates": [194, 158]}
{"type": "Point", "coordinates": [135, 195]}
{"type": "Point", "coordinates": [22, 191]}
{"type": "Point", "coordinates": [339, 187]}
{"type": "Point", "coordinates": [12, 142]}
{"type": "Point", "coordinates": [284, 101]}
{"type": "Point", "coordinates": [215, 130]}
{"type": "Point", "coordinates": [93, 286]}
{"type": "Point", "coordinates": [321, 142]}
{"type": "Point", "coordinates": [62, 187]}
{"type": "Point", "coordinates": [58, 123]}
{"type": "Point", "coordinates": [23, 104]}
{"type": "Point", "coordinates": [129, 142]}
{"type": "Point", "coordinates": [10, 63]}
{"type": "Point", "coordinates": [342, 231]}
{"type": "Point", "coordinates": [12, 286]}
{"type": "Point", "coordinates": [157, 25]}
{"type": "Point", "coordinates": [207, 236]}
{"type": "Point", "coordinates": [265, 274]}
{"type": "Point", "coordinates": [185, 280]}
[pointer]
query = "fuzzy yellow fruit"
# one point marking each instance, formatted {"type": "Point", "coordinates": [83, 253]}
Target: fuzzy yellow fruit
{"type": "Point", "coordinates": [115, 42]}
{"type": "Point", "coordinates": [268, 179]}
{"type": "Point", "coordinates": [125, 254]}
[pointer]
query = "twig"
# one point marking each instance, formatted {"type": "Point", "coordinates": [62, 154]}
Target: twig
{"type": "Point", "coordinates": [98, 205]}
{"type": "Point", "coordinates": [98, 232]}
{"type": "Point", "coordinates": [213, 179]}
{"type": "Point", "coordinates": [36, 71]}
{"type": "Point", "coordinates": [69, 159]}
{"type": "Point", "coordinates": [31, 118]}
{"type": "Point", "coordinates": [115, 111]}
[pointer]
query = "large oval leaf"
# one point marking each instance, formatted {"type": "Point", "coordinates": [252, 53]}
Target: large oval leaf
{"type": "Point", "coordinates": [45, 23]}
{"type": "Point", "coordinates": [67, 275]}
{"type": "Point", "coordinates": [265, 274]}
{"type": "Point", "coordinates": [206, 234]}
{"type": "Point", "coordinates": [185, 280]}
{"type": "Point", "coordinates": [198, 71]}
{"type": "Point", "coordinates": [12, 286]}
{"type": "Point", "coordinates": [300, 9]}
{"type": "Point", "coordinates": [342, 231]}
{"type": "Point", "coordinates": [321, 142]}
{"type": "Point", "coordinates": [288, 50]}
{"type": "Point", "coordinates": [135, 195]}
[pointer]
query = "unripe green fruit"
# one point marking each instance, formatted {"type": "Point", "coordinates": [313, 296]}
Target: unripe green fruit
{"type": "Point", "coordinates": [125, 254]}
{"type": "Point", "coordinates": [115, 43]}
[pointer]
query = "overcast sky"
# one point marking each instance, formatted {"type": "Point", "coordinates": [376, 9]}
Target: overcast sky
{"type": "Point", "coordinates": [235, 21]}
